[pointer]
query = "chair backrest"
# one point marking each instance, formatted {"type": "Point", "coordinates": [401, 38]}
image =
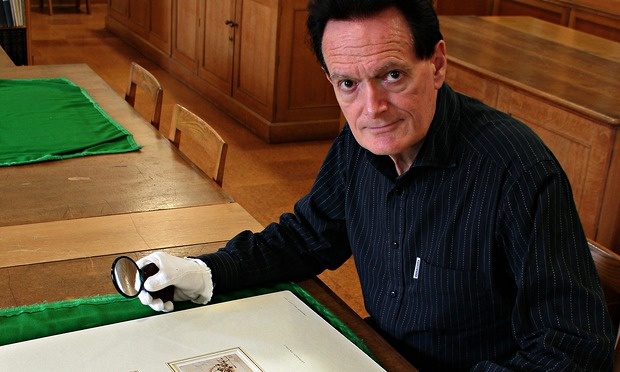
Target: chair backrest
{"type": "Point", "coordinates": [608, 266]}
{"type": "Point", "coordinates": [199, 142]}
{"type": "Point", "coordinates": [142, 78]}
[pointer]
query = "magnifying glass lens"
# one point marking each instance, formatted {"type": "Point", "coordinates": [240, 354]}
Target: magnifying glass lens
{"type": "Point", "coordinates": [126, 276]}
{"type": "Point", "coordinates": [129, 279]}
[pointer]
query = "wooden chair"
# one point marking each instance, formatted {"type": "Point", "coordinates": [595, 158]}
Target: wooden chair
{"type": "Point", "coordinates": [199, 142]}
{"type": "Point", "coordinates": [77, 5]}
{"type": "Point", "coordinates": [608, 266]}
{"type": "Point", "coordinates": [142, 78]}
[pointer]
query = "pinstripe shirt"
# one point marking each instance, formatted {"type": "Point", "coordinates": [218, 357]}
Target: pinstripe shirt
{"type": "Point", "coordinates": [474, 258]}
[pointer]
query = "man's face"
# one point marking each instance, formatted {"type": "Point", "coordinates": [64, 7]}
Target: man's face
{"type": "Point", "coordinates": [386, 93]}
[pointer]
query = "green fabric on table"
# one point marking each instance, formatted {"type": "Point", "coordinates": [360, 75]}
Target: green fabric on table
{"type": "Point", "coordinates": [53, 119]}
{"type": "Point", "coordinates": [40, 320]}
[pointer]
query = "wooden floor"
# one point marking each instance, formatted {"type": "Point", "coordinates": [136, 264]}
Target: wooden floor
{"type": "Point", "coordinates": [266, 179]}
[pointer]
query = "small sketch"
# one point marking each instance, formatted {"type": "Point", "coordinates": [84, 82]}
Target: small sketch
{"type": "Point", "coordinates": [231, 360]}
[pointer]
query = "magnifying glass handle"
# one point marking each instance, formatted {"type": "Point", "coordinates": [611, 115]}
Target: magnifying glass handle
{"type": "Point", "coordinates": [165, 294]}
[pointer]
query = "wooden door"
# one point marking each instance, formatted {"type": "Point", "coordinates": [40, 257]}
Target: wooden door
{"type": "Point", "coordinates": [139, 19]}
{"type": "Point", "coordinates": [595, 21]}
{"type": "Point", "coordinates": [160, 21]}
{"type": "Point", "coordinates": [302, 88]}
{"type": "Point", "coordinates": [255, 55]}
{"type": "Point", "coordinates": [218, 41]}
{"type": "Point", "coordinates": [186, 22]}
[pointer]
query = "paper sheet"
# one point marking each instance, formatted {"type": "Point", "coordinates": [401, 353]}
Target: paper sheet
{"type": "Point", "coordinates": [272, 332]}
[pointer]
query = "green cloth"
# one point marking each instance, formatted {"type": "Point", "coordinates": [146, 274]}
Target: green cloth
{"type": "Point", "coordinates": [52, 119]}
{"type": "Point", "coordinates": [41, 320]}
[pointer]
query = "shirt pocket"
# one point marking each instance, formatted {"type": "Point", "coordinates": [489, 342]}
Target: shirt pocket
{"type": "Point", "coordinates": [450, 299]}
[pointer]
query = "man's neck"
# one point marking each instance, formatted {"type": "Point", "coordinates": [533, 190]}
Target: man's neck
{"type": "Point", "coordinates": [403, 160]}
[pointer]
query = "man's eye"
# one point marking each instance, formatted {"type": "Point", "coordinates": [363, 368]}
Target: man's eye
{"type": "Point", "coordinates": [393, 75]}
{"type": "Point", "coordinates": [347, 84]}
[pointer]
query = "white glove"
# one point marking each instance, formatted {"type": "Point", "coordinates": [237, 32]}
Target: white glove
{"type": "Point", "coordinates": [190, 277]}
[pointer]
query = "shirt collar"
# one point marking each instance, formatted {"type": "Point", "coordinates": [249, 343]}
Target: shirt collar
{"type": "Point", "coordinates": [438, 149]}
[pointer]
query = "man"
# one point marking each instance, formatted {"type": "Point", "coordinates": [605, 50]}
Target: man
{"type": "Point", "coordinates": [461, 222]}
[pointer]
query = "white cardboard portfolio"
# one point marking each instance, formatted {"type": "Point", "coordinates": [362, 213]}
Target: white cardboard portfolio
{"type": "Point", "coordinates": [272, 332]}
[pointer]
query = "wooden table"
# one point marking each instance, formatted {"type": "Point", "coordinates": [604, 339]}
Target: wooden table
{"type": "Point", "coordinates": [65, 220]}
{"type": "Point", "coordinates": [562, 83]}
{"type": "Point", "coordinates": [156, 177]}
{"type": "Point", "coordinates": [62, 223]}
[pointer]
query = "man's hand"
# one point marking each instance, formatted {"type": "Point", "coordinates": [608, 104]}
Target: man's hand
{"type": "Point", "coordinates": [190, 277]}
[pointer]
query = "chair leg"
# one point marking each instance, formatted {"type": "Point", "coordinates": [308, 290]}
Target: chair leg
{"type": "Point", "coordinates": [50, 7]}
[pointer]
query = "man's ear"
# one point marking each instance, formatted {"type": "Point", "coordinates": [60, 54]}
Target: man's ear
{"type": "Point", "coordinates": [326, 75]}
{"type": "Point", "coordinates": [440, 63]}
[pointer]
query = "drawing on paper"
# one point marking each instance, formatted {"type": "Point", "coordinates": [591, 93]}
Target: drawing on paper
{"type": "Point", "coordinates": [231, 360]}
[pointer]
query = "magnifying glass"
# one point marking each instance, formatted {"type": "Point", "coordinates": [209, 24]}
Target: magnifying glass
{"type": "Point", "coordinates": [128, 278]}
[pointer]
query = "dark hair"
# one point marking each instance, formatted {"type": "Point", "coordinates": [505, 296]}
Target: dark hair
{"type": "Point", "coordinates": [420, 15]}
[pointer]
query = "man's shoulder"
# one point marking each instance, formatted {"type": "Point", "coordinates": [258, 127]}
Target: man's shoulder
{"type": "Point", "coordinates": [498, 136]}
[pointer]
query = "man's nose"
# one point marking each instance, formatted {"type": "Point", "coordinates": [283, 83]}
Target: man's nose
{"type": "Point", "coordinates": [375, 100]}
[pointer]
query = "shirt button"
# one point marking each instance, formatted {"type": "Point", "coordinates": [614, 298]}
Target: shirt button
{"type": "Point", "coordinates": [395, 245]}
{"type": "Point", "coordinates": [393, 294]}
